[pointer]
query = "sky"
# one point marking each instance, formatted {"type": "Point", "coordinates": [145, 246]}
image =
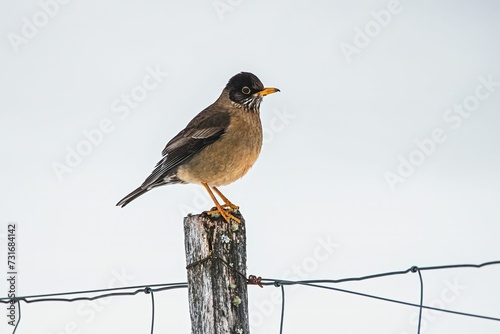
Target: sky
{"type": "Point", "coordinates": [381, 152]}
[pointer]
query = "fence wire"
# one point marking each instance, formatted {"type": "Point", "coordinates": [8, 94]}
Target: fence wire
{"type": "Point", "coordinates": [276, 282]}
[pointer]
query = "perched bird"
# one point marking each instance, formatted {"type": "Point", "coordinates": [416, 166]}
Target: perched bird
{"type": "Point", "coordinates": [217, 147]}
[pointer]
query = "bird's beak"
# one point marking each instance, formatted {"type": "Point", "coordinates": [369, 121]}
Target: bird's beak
{"type": "Point", "coordinates": [267, 91]}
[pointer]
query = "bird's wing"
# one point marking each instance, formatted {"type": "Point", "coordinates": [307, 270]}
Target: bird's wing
{"type": "Point", "coordinates": [203, 130]}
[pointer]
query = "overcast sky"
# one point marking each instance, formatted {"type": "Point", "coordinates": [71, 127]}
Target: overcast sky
{"type": "Point", "coordinates": [382, 151]}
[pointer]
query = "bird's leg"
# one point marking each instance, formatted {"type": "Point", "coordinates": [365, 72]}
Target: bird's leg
{"type": "Point", "coordinates": [226, 201]}
{"type": "Point", "coordinates": [226, 215]}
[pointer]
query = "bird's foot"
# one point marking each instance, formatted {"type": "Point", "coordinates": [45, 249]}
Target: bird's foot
{"type": "Point", "coordinates": [224, 213]}
{"type": "Point", "coordinates": [226, 210]}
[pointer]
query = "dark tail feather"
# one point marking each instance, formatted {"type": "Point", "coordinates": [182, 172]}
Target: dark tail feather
{"type": "Point", "coordinates": [130, 197]}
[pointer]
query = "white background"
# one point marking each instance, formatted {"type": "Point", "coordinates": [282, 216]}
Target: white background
{"type": "Point", "coordinates": [341, 122]}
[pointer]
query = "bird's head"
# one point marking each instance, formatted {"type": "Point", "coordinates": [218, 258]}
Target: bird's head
{"type": "Point", "coordinates": [246, 90]}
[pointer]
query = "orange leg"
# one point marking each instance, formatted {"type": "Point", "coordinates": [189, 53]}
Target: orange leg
{"type": "Point", "coordinates": [226, 201]}
{"type": "Point", "coordinates": [226, 215]}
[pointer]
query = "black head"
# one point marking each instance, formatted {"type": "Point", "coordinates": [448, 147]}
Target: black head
{"type": "Point", "coordinates": [247, 90]}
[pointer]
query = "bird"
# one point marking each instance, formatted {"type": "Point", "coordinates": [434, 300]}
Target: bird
{"type": "Point", "coordinates": [217, 147]}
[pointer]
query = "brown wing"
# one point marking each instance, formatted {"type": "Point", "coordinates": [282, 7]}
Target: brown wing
{"type": "Point", "coordinates": [204, 129]}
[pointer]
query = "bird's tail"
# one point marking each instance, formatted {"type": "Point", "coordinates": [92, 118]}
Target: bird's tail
{"type": "Point", "coordinates": [130, 197]}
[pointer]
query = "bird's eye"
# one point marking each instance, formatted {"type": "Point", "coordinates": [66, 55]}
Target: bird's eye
{"type": "Point", "coordinates": [245, 90]}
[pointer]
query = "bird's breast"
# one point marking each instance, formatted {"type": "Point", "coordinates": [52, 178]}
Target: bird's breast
{"type": "Point", "coordinates": [230, 157]}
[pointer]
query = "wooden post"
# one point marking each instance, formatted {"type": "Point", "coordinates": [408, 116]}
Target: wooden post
{"type": "Point", "coordinates": [216, 271]}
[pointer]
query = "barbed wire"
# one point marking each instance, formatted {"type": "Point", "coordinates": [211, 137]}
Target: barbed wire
{"type": "Point", "coordinates": [276, 282]}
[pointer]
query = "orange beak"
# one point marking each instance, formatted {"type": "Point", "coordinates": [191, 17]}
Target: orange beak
{"type": "Point", "coordinates": [267, 91]}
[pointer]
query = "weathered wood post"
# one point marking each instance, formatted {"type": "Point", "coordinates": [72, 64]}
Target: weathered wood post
{"type": "Point", "coordinates": [216, 274]}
